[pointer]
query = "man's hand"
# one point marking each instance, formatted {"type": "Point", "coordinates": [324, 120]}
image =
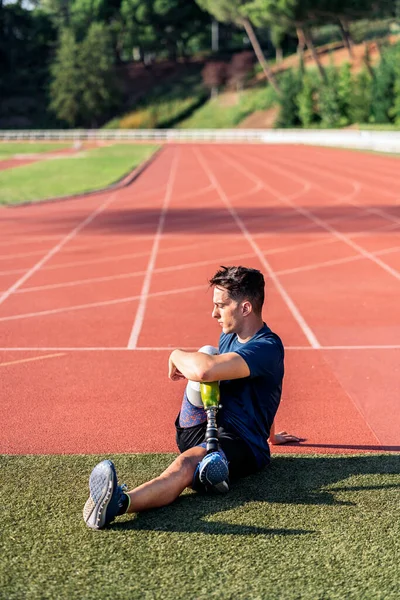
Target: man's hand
{"type": "Point", "coordinates": [283, 437]}
{"type": "Point", "coordinates": [173, 372]}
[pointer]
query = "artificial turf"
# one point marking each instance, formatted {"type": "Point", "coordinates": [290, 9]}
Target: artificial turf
{"type": "Point", "coordinates": [66, 175]}
{"type": "Point", "coordinates": [309, 527]}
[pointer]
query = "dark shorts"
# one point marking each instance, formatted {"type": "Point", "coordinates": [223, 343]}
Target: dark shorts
{"type": "Point", "coordinates": [241, 460]}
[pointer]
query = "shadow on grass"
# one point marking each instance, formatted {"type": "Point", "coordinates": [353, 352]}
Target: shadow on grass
{"type": "Point", "coordinates": [289, 480]}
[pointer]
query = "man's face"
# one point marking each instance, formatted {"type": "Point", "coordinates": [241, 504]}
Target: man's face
{"type": "Point", "coordinates": [226, 311]}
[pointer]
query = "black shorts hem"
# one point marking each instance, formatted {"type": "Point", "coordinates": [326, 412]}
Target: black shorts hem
{"type": "Point", "coordinates": [241, 459]}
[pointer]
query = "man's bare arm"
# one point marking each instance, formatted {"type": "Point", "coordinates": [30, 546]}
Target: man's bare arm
{"type": "Point", "coordinates": [197, 366]}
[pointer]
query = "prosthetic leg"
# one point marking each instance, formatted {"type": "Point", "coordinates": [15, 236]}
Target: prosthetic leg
{"type": "Point", "coordinates": [210, 398]}
{"type": "Point", "coordinates": [213, 471]}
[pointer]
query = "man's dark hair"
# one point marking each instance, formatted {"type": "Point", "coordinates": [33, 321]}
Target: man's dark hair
{"type": "Point", "coordinates": [242, 283]}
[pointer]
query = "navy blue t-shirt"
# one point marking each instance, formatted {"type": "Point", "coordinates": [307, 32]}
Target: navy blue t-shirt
{"type": "Point", "coordinates": [249, 404]}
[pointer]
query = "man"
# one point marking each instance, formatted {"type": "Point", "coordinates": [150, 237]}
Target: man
{"type": "Point", "coordinates": [249, 367]}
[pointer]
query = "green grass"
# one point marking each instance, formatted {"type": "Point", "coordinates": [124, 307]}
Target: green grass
{"type": "Point", "coordinates": [94, 169]}
{"type": "Point", "coordinates": [307, 528]}
{"type": "Point", "coordinates": [8, 149]}
{"type": "Point", "coordinates": [379, 127]}
{"type": "Point", "coordinates": [216, 115]}
{"type": "Point", "coordinates": [166, 104]}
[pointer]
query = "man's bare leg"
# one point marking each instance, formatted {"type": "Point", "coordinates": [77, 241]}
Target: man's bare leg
{"type": "Point", "coordinates": [107, 499]}
{"type": "Point", "coordinates": [169, 485]}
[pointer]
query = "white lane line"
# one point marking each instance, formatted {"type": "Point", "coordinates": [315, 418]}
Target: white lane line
{"type": "Point", "coordinates": [188, 348]}
{"type": "Point", "coordinates": [94, 238]}
{"type": "Point", "coordinates": [183, 266]}
{"type": "Point", "coordinates": [376, 173]}
{"type": "Point", "coordinates": [336, 261]}
{"type": "Point", "coordinates": [289, 302]}
{"type": "Point", "coordinates": [13, 272]}
{"type": "Point", "coordinates": [20, 255]}
{"type": "Point", "coordinates": [57, 247]}
{"type": "Point", "coordinates": [29, 239]}
{"type": "Point", "coordinates": [346, 239]}
{"type": "Point", "coordinates": [137, 325]}
{"type": "Point", "coordinates": [178, 267]}
{"type": "Point", "coordinates": [119, 257]}
{"type": "Point", "coordinates": [55, 311]}
{"type": "Point", "coordinates": [354, 182]}
{"type": "Point", "coordinates": [291, 228]}
{"type": "Point", "coordinates": [24, 360]}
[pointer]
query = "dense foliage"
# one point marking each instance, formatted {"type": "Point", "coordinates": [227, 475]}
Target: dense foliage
{"type": "Point", "coordinates": [49, 57]}
{"type": "Point", "coordinates": [345, 98]}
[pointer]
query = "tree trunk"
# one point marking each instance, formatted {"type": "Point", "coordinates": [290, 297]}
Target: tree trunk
{"type": "Point", "coordinates": [344, 30]}
{"type": "Point", "coordinates": [367, 59]}
{"type": "Point", "coordinates": [260, 55]}
{"type": "Point", "coordinates": [310, 45]}
{"type": "Point", "coordinates": [279, 55]}
{"type": "Point", "coordinates": [300, 46]}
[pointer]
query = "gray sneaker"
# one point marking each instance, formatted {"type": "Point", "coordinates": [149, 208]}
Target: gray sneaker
{"type": "Point", "coordinates": [106, 496]}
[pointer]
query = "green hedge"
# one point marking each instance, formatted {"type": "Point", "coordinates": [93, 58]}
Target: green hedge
{"type": "Point", "coordinates": [343, 98]}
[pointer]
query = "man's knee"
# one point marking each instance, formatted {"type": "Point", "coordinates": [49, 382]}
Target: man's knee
{"type": "Point", "coordinates": [187, 462]}
{"type": "Point", "coordinates": [193, 387]}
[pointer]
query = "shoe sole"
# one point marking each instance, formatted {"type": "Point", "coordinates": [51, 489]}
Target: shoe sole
{"type": "Point", "coordinates": [101, 484]}
{"type": "Point", "coordinates": [217, 471]}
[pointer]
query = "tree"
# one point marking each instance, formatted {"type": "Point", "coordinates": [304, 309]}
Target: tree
{"type": "Point", "coordinates": [277, 36]}
{"type": "Point", "coordinates": [395, 109]}
{"type": "Point", "coordinates": [383, 90]}
{"type": "Point", "coordinates": [344, 91]}
{"type": "Point", "coordinates": [305, 101]}
{"type": "Point", "coordinates": [328, 100]}
{"type": "Point", "coordinates": [78, 15]}
{"type": "Point", "coordinates": [83, 88]}
{"type": "Point", "coordinates": [361, 97]}
{"type": "Point", "coordinates": [237, 12]}
{"type": "Point", "coordinates": [162, 26]}
{"type": "Point", "coordinates": [290, 86]}
{"type": "Point", "coordinates": [98, 84]}
{"type": "Point", "coordinates": [65, 88]}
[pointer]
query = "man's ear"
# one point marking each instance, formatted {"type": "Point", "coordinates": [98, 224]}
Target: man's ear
{"type": "Point", "coordinates": [246, 308]}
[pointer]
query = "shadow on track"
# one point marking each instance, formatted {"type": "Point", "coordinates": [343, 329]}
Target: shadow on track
{"type": "Point", "coordinates": [198, 220]}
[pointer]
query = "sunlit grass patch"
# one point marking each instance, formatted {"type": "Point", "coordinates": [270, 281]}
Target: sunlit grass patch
{"type": "Point", "coordinates": [90, 170]}
{"type": "Point", "coordinates": [308, 527]}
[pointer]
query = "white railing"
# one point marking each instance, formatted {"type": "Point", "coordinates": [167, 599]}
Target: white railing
{"type": "Point", "coordinates": [384, 141]}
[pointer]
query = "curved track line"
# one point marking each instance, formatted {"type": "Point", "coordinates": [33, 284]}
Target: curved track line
{"type": "Point", "coordinates": [354, 182]}
{"type": "Point", "coordinates": [320, 222]}
{"type": "Point", "coordinates": [378, 175]}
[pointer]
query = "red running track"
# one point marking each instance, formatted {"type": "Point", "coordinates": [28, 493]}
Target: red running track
{"type": "Point", "coordinates": [95, 293]}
